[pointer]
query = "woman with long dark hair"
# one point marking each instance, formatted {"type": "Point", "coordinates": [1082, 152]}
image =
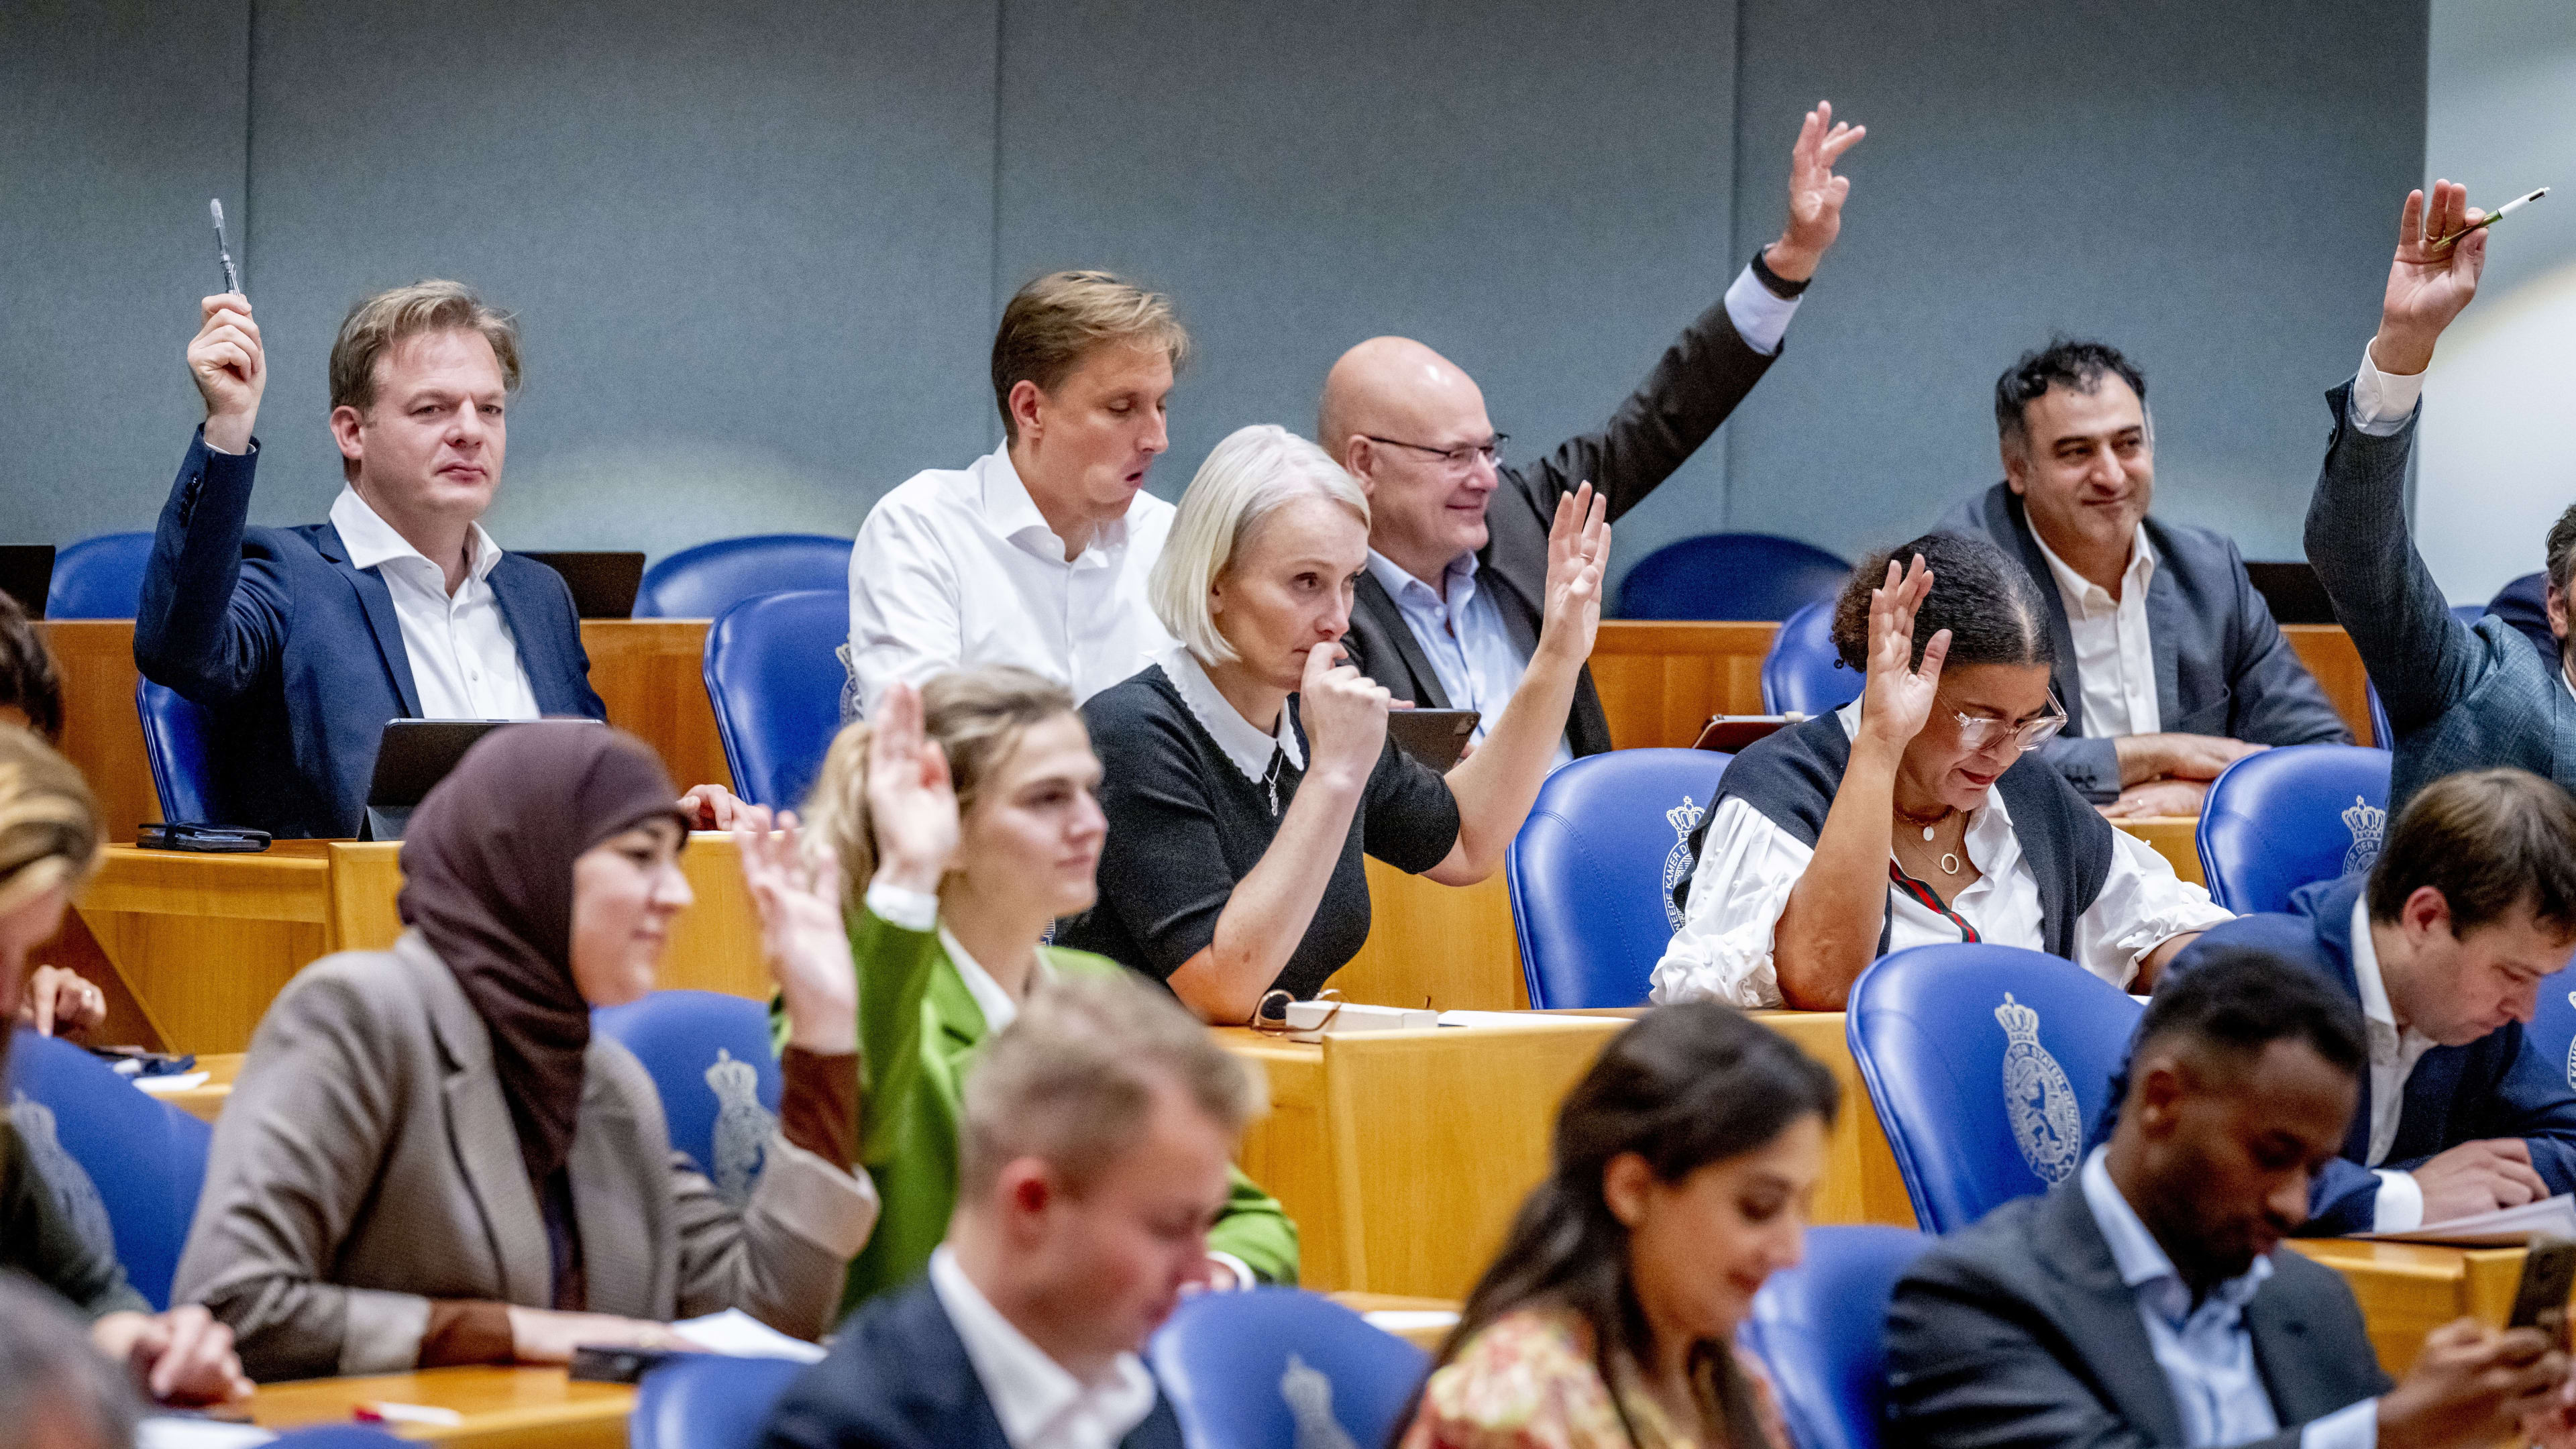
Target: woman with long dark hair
{"type": "Point", "coordinates": [1686, 1161]}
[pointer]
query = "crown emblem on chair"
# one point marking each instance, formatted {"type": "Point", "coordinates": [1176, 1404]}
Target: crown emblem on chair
{"type": "Point", "coordinates": [2368, 824]}
{"type": "Point", "coordinates": [2047, 1126]}
{"type": "Point", "coordinates": [742, 1126]}
{"type": "Point", "coordinates": [1309, 1395]}
{"type": "Point", "coordinates": [2571, 1048]}
{"type": "Point", "coordinates": [1683, 818]}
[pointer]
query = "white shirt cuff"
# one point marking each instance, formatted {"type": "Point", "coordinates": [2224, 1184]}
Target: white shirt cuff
{"type": "Point", "coordinates": [1761, 316]}
{"type": "Point", "coordinates": [2401, 1203]}
{"type": "Point", "coordinates": [2383, 401]}
{"type": "Point", "coordinates": [2354, 1426]}
{"type": "Point", "coordinates": [1244, 1282]}
{"type": "Point", "coordinates": [909, 909]}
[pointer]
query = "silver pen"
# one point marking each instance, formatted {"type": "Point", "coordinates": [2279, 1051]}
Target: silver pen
{"type": "Point", "coordinates": [223, 252]}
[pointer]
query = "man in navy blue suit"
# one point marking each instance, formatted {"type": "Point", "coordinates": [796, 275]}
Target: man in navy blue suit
{"type": "Point", "coordinates": [303, 642]}
{"type": "Point", "coordinates": [1091, 1158]}
{"type": "Point", "coordinates": [2445, 943]}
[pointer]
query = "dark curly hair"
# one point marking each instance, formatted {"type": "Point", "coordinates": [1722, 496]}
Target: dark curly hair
{"type": "Point", "coordinates": [1993, 611]}
{"type": "Point", "coordinates": [28, 678]}
{"type": "Point", "coordinates": [2065, 362]}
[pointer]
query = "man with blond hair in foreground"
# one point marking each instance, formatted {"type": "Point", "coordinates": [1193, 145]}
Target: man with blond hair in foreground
{"type": "Point", "coordinates": [1092, 1158]}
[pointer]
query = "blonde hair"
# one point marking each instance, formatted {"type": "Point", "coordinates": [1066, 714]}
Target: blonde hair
{"type": "Point", "coordinates": [378, 323]}
{"type": "Point", "coordinates": [1254, 473]}
{"type": "Point", "coordinates": [1054, 322]}
{"type": "Point", "coordinates": [976, 716]}
{"type": "Point", "coordinates": [50, 831]}
{"type": "Point", "coordinates": [1072, 1079]}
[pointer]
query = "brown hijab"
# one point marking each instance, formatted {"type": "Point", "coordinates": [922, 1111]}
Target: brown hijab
{"type": "Point", "coordinates": [487, 879]}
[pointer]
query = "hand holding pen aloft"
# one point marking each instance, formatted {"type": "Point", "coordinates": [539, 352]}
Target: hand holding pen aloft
{"type": "Point", "coordinates": [2432, 277]}
{"type": "Point", "coordinates": [230, 369]}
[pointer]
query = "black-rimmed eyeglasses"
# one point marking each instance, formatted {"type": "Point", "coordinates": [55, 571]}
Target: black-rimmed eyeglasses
{"type": "Point", "coordinates": [1458, 459]}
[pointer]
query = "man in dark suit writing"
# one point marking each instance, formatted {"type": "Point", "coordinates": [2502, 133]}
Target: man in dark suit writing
{"type": "Point", "coordinates": [1449, 608]}
{"type": "Point", "coordinates": [303, 642]}
{"type": "Point", "coordinates": [2142, 1301]}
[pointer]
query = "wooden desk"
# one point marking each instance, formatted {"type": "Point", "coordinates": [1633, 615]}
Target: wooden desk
{"type": "Point", "coordinates": [2409, 1289]}
{"type": "Point", "coordinates": [1427, 1339]}
{"type": "Point", "coordinates": [205, 1101]}
{"type": "Point", "coordinates": [504, 1408]}
{"type": "Point", "coordinates": [2175, 837]}
{"type": "Point", "coordinates": [1403, 1155]}
{"type": "Point", "coordinates": [1861, 1182]}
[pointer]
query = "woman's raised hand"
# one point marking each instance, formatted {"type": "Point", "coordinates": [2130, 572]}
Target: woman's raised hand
{"type": "Point", "coordinates": [912, 807]}
{"type": "Point", "coordinates": [1898, 697]}
{"type": "Point", "coordinates": [802, 935]}
{"type": "Point", "coordinates": [1578, 549]}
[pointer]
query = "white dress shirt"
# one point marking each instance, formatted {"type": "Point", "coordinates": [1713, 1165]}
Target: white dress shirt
{"type": "Point", "coordinates": [1041, 1404]}
{"type": "Point", "coordinates": [2206, 1352]}
{"type": "Point", "coordinates": [1749, 865]}
{"type": "Point", "coordinates": [2383, 401]}
{"type": "Point", "coordinates": [2115, 662]}
{"type": "Point", "coordinates": [957, 568]}
{"type": "Point", "coordinates": [464, 661]}
{"type": "Point", "coordinates": [1461, 631]}
{"type": "Point", "coordinates": [2399, 1207]}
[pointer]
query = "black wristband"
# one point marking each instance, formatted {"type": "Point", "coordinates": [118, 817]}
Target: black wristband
{"type": "Point", "coordinates": [1781, 287]}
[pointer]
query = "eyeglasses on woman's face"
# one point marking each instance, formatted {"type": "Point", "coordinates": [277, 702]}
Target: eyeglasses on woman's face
{"type": "Point", "coordinates": [1979, 733]}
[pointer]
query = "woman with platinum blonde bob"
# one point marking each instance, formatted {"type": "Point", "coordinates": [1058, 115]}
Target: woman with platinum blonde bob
{"type": "Point", "coordinates": [1248, 767]}
{"type": "Point", "coordinates": [947, 831]}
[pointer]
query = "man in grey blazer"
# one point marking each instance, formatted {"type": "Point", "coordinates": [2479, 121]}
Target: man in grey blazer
{"type": "Point", "coordinates": [1448, 610]}
{"type": "Point", "coordinates": [2142, 1301]}
{"type": "Point", "coordinates": [2458, 698]}
{"type": "Point", "coordinates": [2168, 661]}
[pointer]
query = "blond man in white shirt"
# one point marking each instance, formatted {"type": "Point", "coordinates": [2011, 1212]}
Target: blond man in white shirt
{"type": "Point", "coordinates": [1035, 554]}
{"type": "Point", "coordinates": [2169, 662]}
{"type": "Point", "coordinates": [1091, 1159]}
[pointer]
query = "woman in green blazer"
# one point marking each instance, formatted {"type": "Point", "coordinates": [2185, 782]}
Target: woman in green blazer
{"type": "Point", "coordinates": [963, 822]}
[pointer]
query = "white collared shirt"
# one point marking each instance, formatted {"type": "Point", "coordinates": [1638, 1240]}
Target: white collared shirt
{"type": "Point", "coordinates": [1241, 739]}
{"type": "Point", "coordinates": [957, 568]}
{"type": "Point", "coordinates": [464, 661]}
{"type": "Point", "coordinates": [2393, 1054]}
{"type": "Point", "coordinates": [2206, 1352]}
{"type": "Point", "coordinates": [1749, 864]}
{"type": "Point", "coordinates": [2383, 401]}
{"type": "Point", "coordinates": [2115, 662]}
{"type": "Point", "coordinates": [1041, 1404]}
{"type": "Point", "coordinates": [1461, 631]}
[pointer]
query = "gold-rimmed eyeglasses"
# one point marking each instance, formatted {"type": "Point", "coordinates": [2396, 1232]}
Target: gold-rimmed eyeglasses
{"type": "Point", "coordinates": [1984, 732]}
{"type": "Point", "coordinates": [1459, 459]}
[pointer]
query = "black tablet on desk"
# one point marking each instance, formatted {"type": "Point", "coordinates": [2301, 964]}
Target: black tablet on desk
{"type": "Point", "coordinates": [603, 584]}
{"type": "Point", "coordinates": [27, 575]}
{"type": "Point", "coordinates": [1436, 737]}
{"type": "Point", "coordinates": [411, 758]}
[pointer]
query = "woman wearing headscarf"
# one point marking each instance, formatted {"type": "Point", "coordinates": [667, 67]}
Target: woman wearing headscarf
{"type": "Point", "coordinates": [429, 1159]}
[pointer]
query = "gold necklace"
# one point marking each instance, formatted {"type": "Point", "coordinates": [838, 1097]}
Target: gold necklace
{"type": "Point", "coordinates": [1949, 861]}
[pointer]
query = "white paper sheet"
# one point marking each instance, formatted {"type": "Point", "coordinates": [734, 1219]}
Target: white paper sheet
{"type": "Point", "coordinates": [739, 1334]}
{"type": "Point", "coordinates": [1519, 1018]}
{"type": "Point", "coordinates": [2504, 1228]}
{"type": "Point", "coordinates": [182, 1431]}
{"type": "Point", "coordinates": [175, 1082]}
{"type": "Point", "coordinates": [1411, 1320]}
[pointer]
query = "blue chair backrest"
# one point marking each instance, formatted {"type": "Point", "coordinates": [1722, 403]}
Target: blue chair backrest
{"type": "Point", "coordinates": [1593, 869]}
{"type": "Point", "coordinates": [1730, 576]}
{"type": "Point", "coordinates": [1802, 674]}
{"type": "Point", "coordinates": [125, 1168]}
{"type": "Point", "coordinates": [1265, 1369]}
{"type": "Point", "coordinates": [2277, 820]}
{"type": "Point", "coordinates": [340, 1436]}
{"type": "Point", "coordinates": [2552, 1032]}
{"type": "Point", "coordinates": [702, 582]}
{"type": "Point", "coordinates": [1987, 1065]}
{"type": "Point", "coordinates": [175, 734]}
{"type": "Point", "coordinates": [710, 1059]}
{"type": "Point", "coordinates": [707, 1401]}
{"type": "Point", "coordinates": [775, 681]}
{"type": "Point", "coordinates": [1821, 1329]}
{"type": "Point", "coordinates": [99, 578]}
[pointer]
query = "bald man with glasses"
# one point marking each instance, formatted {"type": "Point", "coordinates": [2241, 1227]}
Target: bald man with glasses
{"type": "Point", "coordinates": [1449, 608]}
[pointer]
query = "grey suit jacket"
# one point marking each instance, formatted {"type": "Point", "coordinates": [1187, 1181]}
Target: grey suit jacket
{"type": "Point", "coordinates": [2019, 1332]}
{"type": "Point", "coordinates": [2222, 666]}
{"type": "Point", "coordinates": [2458, 698]}
{"type": "Point", "coordinates": [366, 1163]}
{"type": "Point", "coordinates": [1700, 379]}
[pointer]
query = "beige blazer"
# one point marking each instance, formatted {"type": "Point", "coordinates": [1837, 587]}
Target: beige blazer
{"type": "Point", "coordinates": [366, 1164]}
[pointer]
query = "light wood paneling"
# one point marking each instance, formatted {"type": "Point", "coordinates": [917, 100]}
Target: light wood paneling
{"type": "Point", "coordinates": [503, 1408]}
{"type": "Point", "coordinates": [2407, 1290]}
{"type": "Point", "coordinates": [1452, 946]}
{"type": "Point", "coordinates": [1861, 1182]}
{"type": "Point", "coordinates": [101, 732]}
{"type": "Point", "coordinates": [1660, 681]}
{"type": "Point", "coordinates": [2329, 655]}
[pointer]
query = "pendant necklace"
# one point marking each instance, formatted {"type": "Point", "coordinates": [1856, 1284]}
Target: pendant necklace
{"type": "Point", "coordinates": [1949, 861]}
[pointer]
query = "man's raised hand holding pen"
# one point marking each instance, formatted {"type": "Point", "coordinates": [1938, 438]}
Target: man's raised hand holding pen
{"type": "Point", "coordinates": [2428, 282]}
{"type": "Point", "coordinates": [230, 370]}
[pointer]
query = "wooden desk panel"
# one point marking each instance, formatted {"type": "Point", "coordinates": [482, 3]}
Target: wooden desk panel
{"type": "Point", "coordinates": [504, 1408]}
{"type": "Point", "coordinates": [101, 732]}
{"type": "Point", "coordinates": [1454, 947]}
{"type": "Point", "coordinates": [2407, 1290]}
{"type": "Point", "coordinates": [1660, 681]}
{"type": "Point", "coordinates": [2329, 655]}
{"type": "Point", "coordinates": [1861, 1182]}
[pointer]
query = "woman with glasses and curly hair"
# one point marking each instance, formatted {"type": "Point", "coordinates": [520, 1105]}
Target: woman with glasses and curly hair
{"type": "Point", "coordinates": [1909, 817]}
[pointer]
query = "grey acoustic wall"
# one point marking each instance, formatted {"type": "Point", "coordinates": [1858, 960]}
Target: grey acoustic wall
{"type": "Point", "coordinates": [758, 248]}
{"type": "Point", "coordinates": [2211, 187]}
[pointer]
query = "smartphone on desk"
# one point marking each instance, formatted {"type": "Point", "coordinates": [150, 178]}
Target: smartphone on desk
{"type": "Point", "coordinates": [2548, 1276]}
{"type": "Point", "coordinates": [196, 836]}
{"type": "Point", "coordinates": [1436, 737]}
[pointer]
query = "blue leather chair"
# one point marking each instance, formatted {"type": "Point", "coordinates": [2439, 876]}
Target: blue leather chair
{"type": "Point", "coordinates": [776, 685]}
{"type": "Point", "coordinates": [2552, 1032]}
{"type": "Point", "coordinates": [1821, 1329]}
{"type": "Point", "coordinates": [175, 732]}
{"type": "Point", "coordinates": [707, 1401]}
{"type": "Point", "coordinates": [1267, 1369]}
{"type": "Point", "coordinates": [99, 578]}
{"type": "Point", "coordinates": [2278, 820]}
{"type": "Point", "coordinates": [1987, 1065]}
{"type": "Point", "coordinates": [121, 1163]}
{"type": "Point", "coordinates": [1730, 576]}
{"type": "Point", "coordinates": [702, 582]}
{"type": "Point", "coordinates": [1802, 674]}
{"type": "Point", "coordinates": [710, 1058]}
{"type": "Point", "coordinates": [340, 1436]}
{"type": "Point", "coordinates": [1592, 872]}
